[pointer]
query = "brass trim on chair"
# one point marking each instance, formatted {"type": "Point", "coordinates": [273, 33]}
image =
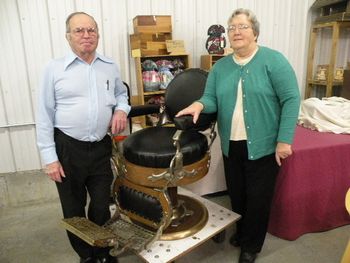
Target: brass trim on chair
{"type": "Point", "coordinates": [139, 174]}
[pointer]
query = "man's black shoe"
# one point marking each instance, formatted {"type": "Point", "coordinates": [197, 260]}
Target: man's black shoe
{"type": "Point", "coordinates": [247, 257]}
{"type": "Point", "coordinates": [234, 240]}
{"type": "Point", "coordinates": [86, 260]}
{"type": "Point", "coordinates": [108, 259]}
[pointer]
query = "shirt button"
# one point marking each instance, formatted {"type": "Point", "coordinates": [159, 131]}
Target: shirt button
{"type": "Point", "coordinates": [245, 111]}
{"type": "Point", "coordinates": [248, 127]}
{"type": "Point", "coordinates": [249, 142]}
{"type": "Point", "coordinates": [251, 157]}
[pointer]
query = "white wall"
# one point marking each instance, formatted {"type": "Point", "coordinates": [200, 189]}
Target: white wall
{"type": "Point", "coordinates": [32, 32]}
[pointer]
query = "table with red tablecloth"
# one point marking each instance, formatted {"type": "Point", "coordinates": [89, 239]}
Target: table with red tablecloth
{"type": "Point", "coordinates": [311, 185]}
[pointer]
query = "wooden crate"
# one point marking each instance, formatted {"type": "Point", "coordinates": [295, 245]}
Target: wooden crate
{"type": "Point", "coordinates": [155, 45]}
{"type": "Point", "coordinates": [152, 24]}
{"type": "Point", "coordinates": [207, 61]}
{"type": "Point", "coordinates": [143, 52]}
{"type": "Point", "coordinates": [143, 37]}
{"type": "Point", "coordinates": [141, 40]}
{"type": "Point", "coordinates": [144, 44]}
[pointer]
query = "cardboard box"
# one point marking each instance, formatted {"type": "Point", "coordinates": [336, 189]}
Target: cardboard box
{"type": "Point", "coordinates": [152, 24]}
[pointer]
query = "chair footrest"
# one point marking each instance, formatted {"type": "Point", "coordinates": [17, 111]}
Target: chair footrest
{"type": "Point", "coordinates": [118, 233]}
{"type": "Point", "coordinates": [131, 236]}
{"type": "Point", "coordinates": [90, 232]}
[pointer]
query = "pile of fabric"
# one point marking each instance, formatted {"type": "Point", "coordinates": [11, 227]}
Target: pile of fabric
{"type": "Point", "coordinates": [327, 115]}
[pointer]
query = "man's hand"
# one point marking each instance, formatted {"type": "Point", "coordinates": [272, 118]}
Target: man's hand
{"type": "Point", "coordinates": [55, 171]}
{"type": "Point", "coordinates": [118, 123]}
{"type": "Point", "coordinates": [194, 109]}
{"type": "Point", "coordinates": [283, 150]}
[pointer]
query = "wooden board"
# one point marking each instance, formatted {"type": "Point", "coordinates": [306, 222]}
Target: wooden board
{"type": "Point", "coordinates": [152, 24]}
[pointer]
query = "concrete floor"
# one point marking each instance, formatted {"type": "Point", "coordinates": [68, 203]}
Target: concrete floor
{"type": "Point", "coordinates": [32, 234]}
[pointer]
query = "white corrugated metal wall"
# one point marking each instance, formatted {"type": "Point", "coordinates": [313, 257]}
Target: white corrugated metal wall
{"type": "Point", "coordinates": [32, 32]}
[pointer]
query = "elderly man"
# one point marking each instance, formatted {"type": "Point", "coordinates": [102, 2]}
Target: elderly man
{"type": "Point", "coordinates": [81, 97]}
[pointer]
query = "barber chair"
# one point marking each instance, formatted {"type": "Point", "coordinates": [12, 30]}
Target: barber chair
{"type": "Point", "coordinates": [150, 165]}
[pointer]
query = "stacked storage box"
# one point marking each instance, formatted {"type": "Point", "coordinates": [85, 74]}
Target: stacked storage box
{"type": "Point", "coordinates": [150, 34]}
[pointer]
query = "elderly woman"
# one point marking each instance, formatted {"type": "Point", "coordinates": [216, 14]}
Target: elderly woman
{"type": "Point", "coordinates": [256, 96]}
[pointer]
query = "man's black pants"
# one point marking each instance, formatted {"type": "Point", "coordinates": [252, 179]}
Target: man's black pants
{"type": "Point", "coordinates": [88, 170]}
{"type": "Point", "coordinates": [250, 184]}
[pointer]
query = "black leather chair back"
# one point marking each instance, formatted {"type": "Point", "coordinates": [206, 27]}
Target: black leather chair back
{"type": "Point", "coordinates": [184, 89]}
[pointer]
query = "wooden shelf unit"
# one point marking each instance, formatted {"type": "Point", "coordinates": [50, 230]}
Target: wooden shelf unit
{"type": "Point", "coordinates": [207, 61]}
{"type": "Point", "coordinates": [329, 83]}
{"type": "Point", "coordinates": [143, 96]}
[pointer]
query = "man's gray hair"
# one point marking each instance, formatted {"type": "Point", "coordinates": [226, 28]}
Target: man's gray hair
{"type": "Point", "coordinates": [78, 13]}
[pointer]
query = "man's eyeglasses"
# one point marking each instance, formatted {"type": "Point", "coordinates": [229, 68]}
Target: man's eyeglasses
{"type": "Point", "coordinates": [232, 28]}
{"type": "Point", "coordinates": [80, 31]}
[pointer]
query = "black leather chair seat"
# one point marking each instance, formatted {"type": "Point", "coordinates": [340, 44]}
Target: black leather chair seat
{"type": "Point", "coordinates": [153, 147]}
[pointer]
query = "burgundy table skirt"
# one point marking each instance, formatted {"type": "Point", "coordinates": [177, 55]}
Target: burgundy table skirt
{"type": "Point", "coordinates": [311, 185]}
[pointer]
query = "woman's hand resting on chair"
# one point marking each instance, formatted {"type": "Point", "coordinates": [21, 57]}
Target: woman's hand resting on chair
{"type": "Point", "coordinates": [194, 109]}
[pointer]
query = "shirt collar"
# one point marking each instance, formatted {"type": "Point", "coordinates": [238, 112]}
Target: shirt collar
{"type": "Point", "coordinates": [245, 61]}
{"type": "Point", "coordinates": [71, 57]}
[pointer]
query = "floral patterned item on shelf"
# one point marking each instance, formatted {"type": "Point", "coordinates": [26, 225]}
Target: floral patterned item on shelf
{"type": "Point", "coordinates": [151, 81]}
{"type": "Point", "coordinates": [164, 63]}
{"type": "Point", "coordinates": [165, 77]}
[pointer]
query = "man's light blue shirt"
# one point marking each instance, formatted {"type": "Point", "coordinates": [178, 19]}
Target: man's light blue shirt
{"type": "Point", "coordinates": [79, 99]}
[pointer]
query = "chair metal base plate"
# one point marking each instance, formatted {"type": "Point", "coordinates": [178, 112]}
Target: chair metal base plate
{"type": "Point", "coordinates": [194, 218]}
{"type": "Point", "coordinates": [219, 218]}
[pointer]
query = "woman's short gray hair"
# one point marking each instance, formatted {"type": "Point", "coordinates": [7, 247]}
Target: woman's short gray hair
{"type": "Point", "coordinates": [78, 13]}
{"type": "Point", "coordinates": [251, 17]}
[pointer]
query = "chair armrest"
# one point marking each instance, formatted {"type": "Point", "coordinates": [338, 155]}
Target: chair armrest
{"type": "Point", "coordinates": [140, 110]}
{"type": "Point", "coordinates": [186, 122]}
